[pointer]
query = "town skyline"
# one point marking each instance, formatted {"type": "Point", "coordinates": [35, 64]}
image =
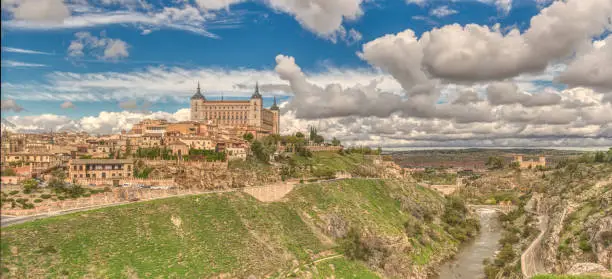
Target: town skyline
{"type": "Point", "coordinates": [398, 74]}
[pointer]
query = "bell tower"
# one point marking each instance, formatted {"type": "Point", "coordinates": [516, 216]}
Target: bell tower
{"type": "Point", "coordinates": [255, 108]}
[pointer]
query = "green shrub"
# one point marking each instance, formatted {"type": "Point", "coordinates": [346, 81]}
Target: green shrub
{"type": "Point", "coordinates": [45, 196]}
{"type": "Point", "coordinates": [14, 192]}
{"type": "Point", "coordinates": [61, 198]}
{"type": "Point", "coordinates": [38, 200]}
{"type": "Point", "coordinates": [28, 206]}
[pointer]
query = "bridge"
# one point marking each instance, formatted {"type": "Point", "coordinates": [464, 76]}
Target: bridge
{"type": "Point", "coordinates": [505, 209]}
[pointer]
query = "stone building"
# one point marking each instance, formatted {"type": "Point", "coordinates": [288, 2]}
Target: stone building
{"type": "Point", "coordinates": [530, 163]}
{"type": "Point", "coordinates": [248, 113]}
{"type": "Point", "coordinates": [100, 168]}
{"type": "Point", "coordinates": [39, 162]}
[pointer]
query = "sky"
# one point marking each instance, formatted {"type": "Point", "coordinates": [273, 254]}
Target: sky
{"type": "Point", "coordinates": [390, 73]}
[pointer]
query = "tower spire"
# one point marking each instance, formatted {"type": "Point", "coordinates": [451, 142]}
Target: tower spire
{"type": "Point", "coordinates": [256, 93]}
{"type": "Point", "coordinates": [198, 95]}
{"type": "Point", "coordinates": [274, 105]}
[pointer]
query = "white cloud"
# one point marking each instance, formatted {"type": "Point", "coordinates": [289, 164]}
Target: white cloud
{"type": "Point", "coordinates": [101, 47]}
{"type": "Point", "coordinates": [18, 64]}
{"type": "Point", "coordinates": [216, 4]}
{"type": "Point", "coordinates": [185, 18]}
{"type": "Point", "coordinates": [592, 68]}
{"type": "Point", "coordinates": [156, 83]}
{"type": "Point", "coordinates": [24, 51]}
{"type": "Point", "coordinates": [44, 11]}
{"type": "Point", "coordinates": [103, 123]}
{"type": "Point", "coordinates": [322, 17]}
{"type": "Point", "coordinates": [442, 11]}
{"type": "Point", "coordinates": [67, 105]}
{"type": "Point", "coordinates": [10, 105]}
{"type": "Point", "coordinates": [475, 53]}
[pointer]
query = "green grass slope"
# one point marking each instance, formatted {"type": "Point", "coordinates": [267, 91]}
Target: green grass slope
{"type": "Point", "coordinates": [235, 235]}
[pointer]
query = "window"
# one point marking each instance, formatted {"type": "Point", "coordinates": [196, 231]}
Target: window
{"type": "Point", "coordinates": [103, 175]}
{"type": "Point", "coordinates": [74, 167]}
{"type": "Point", "coordinates": [75, 176]}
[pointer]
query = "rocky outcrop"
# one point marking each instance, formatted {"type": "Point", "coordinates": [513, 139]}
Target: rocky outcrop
{"type": "Point", "coordinates": [586, 268]}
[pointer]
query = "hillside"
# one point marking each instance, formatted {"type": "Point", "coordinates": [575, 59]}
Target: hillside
{"type": "Point", "coordinates": [355, 228]}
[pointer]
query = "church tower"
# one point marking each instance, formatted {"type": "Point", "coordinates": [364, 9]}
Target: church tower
{"type": "Point", "coordinates": [197, 105]}
{"type": "Point", "coordinates": [255, 109]}
{"type": "Point", "coordinates": [276, 112]}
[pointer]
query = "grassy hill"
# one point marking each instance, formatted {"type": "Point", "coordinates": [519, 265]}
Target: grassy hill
{"type": "Point", "coordinates": [349, 229]}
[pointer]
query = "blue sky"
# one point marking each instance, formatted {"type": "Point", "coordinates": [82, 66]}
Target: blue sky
{"type": "Point", "coordinates": [256, 35]}
{"type": "Point", "coordinates": [74, 61]}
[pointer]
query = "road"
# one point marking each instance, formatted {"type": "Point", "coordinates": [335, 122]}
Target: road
{"type": "Point", "coordinates": [12, 220]}
{"type": "Point", "coordinates": [531, 260]}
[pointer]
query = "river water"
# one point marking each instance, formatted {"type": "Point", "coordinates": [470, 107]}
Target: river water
{"type": "Point", "coordinates": [467, 264]}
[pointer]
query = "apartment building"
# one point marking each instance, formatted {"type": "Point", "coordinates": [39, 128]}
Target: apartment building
{"type": "Point", "coordinates": [100, 168]}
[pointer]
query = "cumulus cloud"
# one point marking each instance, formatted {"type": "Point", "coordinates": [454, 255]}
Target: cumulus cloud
{"type": "Point", "coordinates": [67, 105]}
{"type": "Point", "coordinates": [101, 47]}
{"type": "Point", "coordinates": [322, 17]}
{"type": "Point", "coordinates": [312, 101]}
{"type": "Point", "coordinates": [504, 93]}
{"type": "Point", "coordinates": [37, 10]}
{"type": "Point", "coordinates": [10, 105]}
{"type": "Point", "coordinates": [592, 68]}
{"type": "Point", "coordinates": [103, 123]}
{"type": "Point", "coordinates": [473, 53]}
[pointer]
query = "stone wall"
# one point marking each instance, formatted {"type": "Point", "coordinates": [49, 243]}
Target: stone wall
{"type": "Point", "coordinates": [131, 181]}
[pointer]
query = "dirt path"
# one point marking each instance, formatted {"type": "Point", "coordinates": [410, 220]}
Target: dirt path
{"type": "Point", "coordinates": [267, 193]}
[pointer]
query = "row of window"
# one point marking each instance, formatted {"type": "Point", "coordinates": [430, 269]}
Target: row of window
{"type": "Point", "coordinates": [99, 167]}
{"type": "Point", "coordinates": [103, 175]}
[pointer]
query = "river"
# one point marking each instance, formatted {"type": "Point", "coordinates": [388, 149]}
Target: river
{"type": "Point", "coordinates": [467, 264]}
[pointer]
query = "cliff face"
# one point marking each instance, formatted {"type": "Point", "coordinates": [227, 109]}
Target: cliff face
{"type": "Point", "coordinates": [578, 203]}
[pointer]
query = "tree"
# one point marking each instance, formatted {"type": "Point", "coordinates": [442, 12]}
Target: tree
{"type": "Point", "coordinates": [259, 151]}
{"type": "Point", "coordinates": [336, 142]}
{"type": "Point", "coordinates": [515, 165]}
{"type": "Point", "coordinates": [313, 133]}
{"type": "Point", "coordinates": [600, 157]}
{"type": "Point", "coordinates": [318, 139]}
{"type": "Point", "coordinates": [495, 163]}
{"type": "Point", "coordinates": [29, 185]}
{"type": "Point", "coordinates": [248, 137]}
{"type": "Point", "coordinates": [299, 135]}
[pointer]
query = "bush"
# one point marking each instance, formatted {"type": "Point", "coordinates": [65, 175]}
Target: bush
{"type": "Point", "coordinates": [354, 248]}
{"type": "Point", "coordinates": [61, 198]}
{"type": "Point", "coordinates": [584, 244]}
{"type": "Point", "coordinates": [45, 196]}
{"type": "Point", "coordinates": [38, 200]}
{"type": "Point", "coordinates": [27, 206]}
{"type": "Point", "coordinates": [14, 192]}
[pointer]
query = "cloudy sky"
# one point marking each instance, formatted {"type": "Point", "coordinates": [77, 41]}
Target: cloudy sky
{"type": "Point", "coordinates": [392, 73]}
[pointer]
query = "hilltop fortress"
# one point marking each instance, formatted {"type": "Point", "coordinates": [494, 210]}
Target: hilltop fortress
{"type": "Point", "coordinates": [237, 113]}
